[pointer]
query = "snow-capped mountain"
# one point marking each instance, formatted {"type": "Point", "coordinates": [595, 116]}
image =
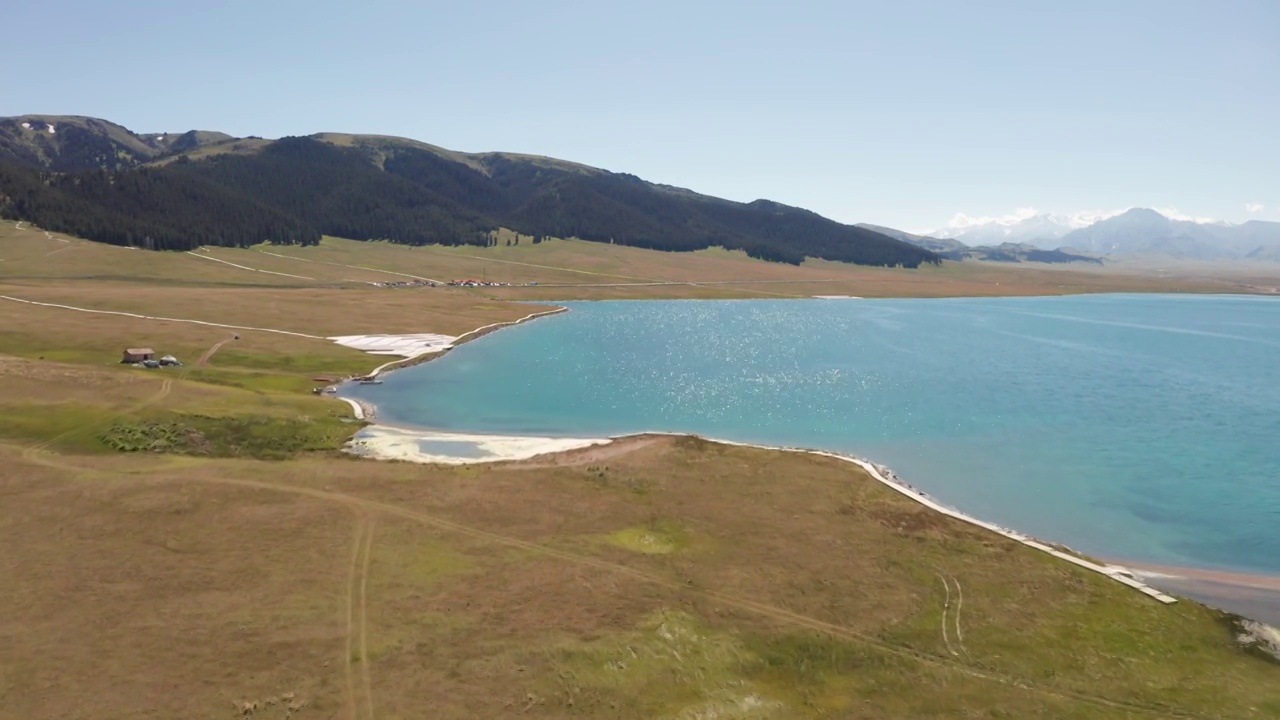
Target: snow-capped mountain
{"type": "Point", "coordinates": [1025, 225]}
{"type": "Point", "coordinates": [1144, 231]}
{"type": "Point", "coordinates": [1136, 231]}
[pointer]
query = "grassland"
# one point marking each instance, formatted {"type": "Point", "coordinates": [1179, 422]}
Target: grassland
{"type": "Point", "coordinates": [570, 270]}
{"type": "Point", "coordinates": [189, 543]}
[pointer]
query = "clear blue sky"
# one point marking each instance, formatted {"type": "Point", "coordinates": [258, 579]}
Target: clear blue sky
{"type": "Point", "coordinates": [902, 113]}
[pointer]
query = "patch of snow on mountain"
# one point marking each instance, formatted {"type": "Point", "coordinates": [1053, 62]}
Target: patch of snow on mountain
{"type": "Point", "coordinates": [1029, 225]}
{"type": "Point", "coordinates": [1174, 214]}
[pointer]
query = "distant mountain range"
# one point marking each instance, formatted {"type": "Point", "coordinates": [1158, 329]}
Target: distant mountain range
{"type": "Point", "coordinates": [1138, 231]}
{"type": "Point", "coordinates": [176, 191]}
{"type": "Point", "coordinates": [1147, 232]}
{"type": "Point", "coordinates": [1040, 229]}
{"type": "Point", "coordinates": [951, 249]}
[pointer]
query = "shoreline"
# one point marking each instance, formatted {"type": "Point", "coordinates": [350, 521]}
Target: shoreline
{"type": "Point", "coordinates": [368, 412]}
{"type": "Point", "coordinates": [1235, 578]}
{"type": "Point", "coordinates": [383, 441]}
{"type": "Point", "coordinates": [386, 442]}
{"type": "Point", "coordinates": [459, 340]}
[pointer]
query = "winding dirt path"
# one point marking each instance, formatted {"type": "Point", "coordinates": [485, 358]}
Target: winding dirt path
{"type": "Point", "coordinates": [208, 354]}
{"type": "Point", "coordinates": [154, 317]}
{"type": "Point", "coordinates": [352, 576]}
{"type": "Point", "coordinates": [363, 624]}
{"type": "Point", "coordinates": [246, 267]}
{"type": "Point", "coordinates": [353, 267]}
{"type": "Point", "coordinates": [357, 645]}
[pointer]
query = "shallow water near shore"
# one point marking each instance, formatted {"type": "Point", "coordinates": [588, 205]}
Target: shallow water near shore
{"type": "Point", "coordinates": [1139, 427]}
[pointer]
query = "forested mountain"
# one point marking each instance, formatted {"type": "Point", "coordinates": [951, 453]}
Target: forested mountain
{"type": "Point", "coordinates": [146, 208]}
{"type": "Point", "coordinates": [102, 182]}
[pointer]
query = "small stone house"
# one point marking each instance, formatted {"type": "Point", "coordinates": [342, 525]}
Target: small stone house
{"type": "Point", "coordinates": [135, 355]}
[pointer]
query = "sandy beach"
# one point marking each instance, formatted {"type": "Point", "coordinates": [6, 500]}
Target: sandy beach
{"type": "Point", "coordinates": [384, 442]}
{"type": "Point", "coordinates": [412, 348]}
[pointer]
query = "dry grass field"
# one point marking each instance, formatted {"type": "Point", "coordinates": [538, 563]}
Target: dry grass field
{"type": "Point", "coordinates": [572, 270]}
{"type": "Point", "coordinates": [676, 579]}
{"type": "Point", "coordinates": [189, 542]}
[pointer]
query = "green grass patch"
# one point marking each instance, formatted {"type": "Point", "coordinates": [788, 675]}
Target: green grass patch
{"type": "Point", "coordinates": [258, 382]}
{"type": "Point", "coordinates": [267, 437]}
{"type": "Point", "coordinates": [658, 537]}
{"type": "Point", "coordinates": [816, 672]}
{"type": "Point", "coordinates": [336, 361]}
{"type": "Point", "coordinates": [37, 348]}
{"type": "Point", "coordinates": [264, 437]}
{"type": "Point", "coordinates": [670, 666]}
{"type": "Point", "coordinates": [154, 437]}
{"type": "Point", "coordinates": [70, 426]}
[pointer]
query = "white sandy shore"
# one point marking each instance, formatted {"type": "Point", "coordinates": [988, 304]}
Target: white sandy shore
{"type": "Point", "coordinates": [383, 442]}
{"type": "Point", "coordinates": [356, 408]}
{"type": "Point", "coordinates": [399, 345]}
{"type": "Point", "coordinates": [411, 346]}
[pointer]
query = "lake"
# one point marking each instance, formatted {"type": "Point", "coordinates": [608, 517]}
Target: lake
{"type": "Point", "coordinates": [1144, 428]}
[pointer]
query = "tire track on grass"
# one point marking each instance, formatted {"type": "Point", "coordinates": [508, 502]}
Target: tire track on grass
{"type": "Point", "coordinates": [959, 605]}
{"type": "Point", "coordinates": [357, 645]}
{"type": "Point", "coordinates": [33, 453]}
{"type": "Point", "coordinates": [208, 354]}
{"type": "Point", "coordinates": [364, 617]}
{"type": "Point", "coordinates": [356, 545]}
{"type": "Point", "coordinates": [946, 605]}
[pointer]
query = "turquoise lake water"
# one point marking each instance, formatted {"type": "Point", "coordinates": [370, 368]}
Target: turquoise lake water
{"type": "Point", "coordinates": [1132, 427]}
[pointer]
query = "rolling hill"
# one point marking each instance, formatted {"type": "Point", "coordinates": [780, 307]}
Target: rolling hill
{"type": "Point", "coordinates": [99, 180]}
{"type": "Point", "coordinates": [934, 244]}
{"type": "Point", "coordinates": [67, 143]}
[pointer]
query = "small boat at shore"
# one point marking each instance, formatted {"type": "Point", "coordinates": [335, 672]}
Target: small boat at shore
{"type": "Point", "coordinates": [370, 382]}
